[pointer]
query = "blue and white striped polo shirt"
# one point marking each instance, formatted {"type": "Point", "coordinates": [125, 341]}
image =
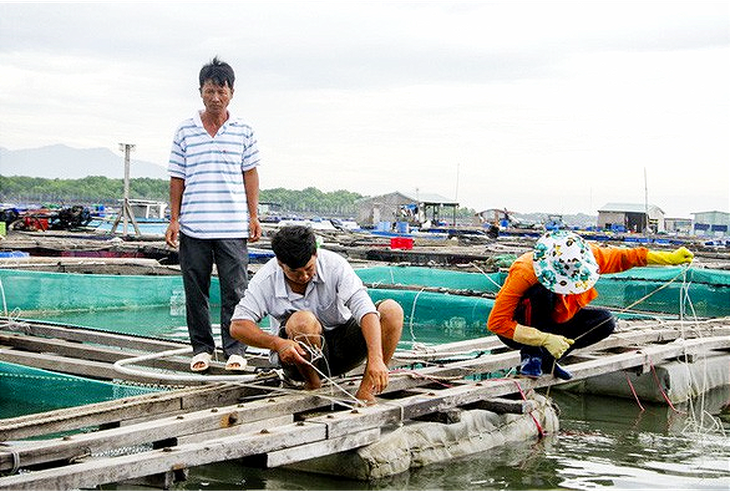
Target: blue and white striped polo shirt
{"type": "Point", "coordinates": [214, 201]}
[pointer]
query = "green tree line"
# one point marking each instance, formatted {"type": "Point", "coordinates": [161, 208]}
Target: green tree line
{"type": "Point", "coordinates": [108, 191]}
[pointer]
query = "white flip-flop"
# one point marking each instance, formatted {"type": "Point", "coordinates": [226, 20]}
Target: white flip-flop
{"type": "Point", "coordinates": [202, 357]}
{"type": "Point", "coordinates": [236, 363]}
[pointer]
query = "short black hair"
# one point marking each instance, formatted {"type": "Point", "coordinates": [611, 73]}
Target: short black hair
{"type": "Point", "coordinates": [219, 72]}
{"type": "Point", "coordinates": [294, 246]}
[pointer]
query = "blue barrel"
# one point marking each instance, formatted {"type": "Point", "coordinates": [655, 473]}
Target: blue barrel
{"type": "Point", "coordinates": [384, 226]}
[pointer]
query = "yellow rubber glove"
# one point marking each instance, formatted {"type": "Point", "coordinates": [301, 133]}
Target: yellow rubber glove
{"type": "Point", "coordinates": [676, 257]}
{"type": "Point", "coordinates": [555, 344]}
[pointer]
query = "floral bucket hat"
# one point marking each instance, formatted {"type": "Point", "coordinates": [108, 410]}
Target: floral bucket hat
{"type": "Point", "coordinates": [564, 263]}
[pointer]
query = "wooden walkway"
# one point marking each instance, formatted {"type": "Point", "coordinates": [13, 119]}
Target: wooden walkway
{"type": "Point", "coordinates": [159, 436]}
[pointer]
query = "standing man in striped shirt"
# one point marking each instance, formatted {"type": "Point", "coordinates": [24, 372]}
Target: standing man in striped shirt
{"type": "Point", "coordinates": [214, 191]}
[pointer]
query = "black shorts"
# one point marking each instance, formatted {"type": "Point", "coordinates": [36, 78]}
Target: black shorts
{"type": "Point", "coordinates": [344, 349]}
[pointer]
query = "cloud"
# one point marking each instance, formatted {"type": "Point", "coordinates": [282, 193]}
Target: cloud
{"type": "Point", "coordinates": [532, 105]}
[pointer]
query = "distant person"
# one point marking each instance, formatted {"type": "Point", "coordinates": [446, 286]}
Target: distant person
{"type": "Point", "coordinates": [321, 315]}
{"type": "Point", "coordinates": [214, 192]}
{"type": "Point", "coordinates": [541, 309]}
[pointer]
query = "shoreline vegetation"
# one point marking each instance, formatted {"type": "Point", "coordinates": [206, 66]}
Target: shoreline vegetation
{"type": "Point", "coordinates": [109, 191]}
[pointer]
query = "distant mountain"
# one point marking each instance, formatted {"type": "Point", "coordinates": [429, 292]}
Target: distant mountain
{"type": "Point", "coordinates": [61, 161]}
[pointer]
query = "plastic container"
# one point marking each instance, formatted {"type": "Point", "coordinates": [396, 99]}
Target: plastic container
{"type": "Point", "coordinates": [14, 254]}
{"type": "Point", "coordinates": [401, 243]}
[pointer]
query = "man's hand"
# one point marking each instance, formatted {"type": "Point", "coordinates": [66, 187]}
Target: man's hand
{"type": "Point", "coordinates": [374, 381]}
{"type": "Point", "coordinates": [254, 230]}
{"type": "Point", "coordinates": [290, 352]}
{"type": "Point", "coordinates": [172, 232]}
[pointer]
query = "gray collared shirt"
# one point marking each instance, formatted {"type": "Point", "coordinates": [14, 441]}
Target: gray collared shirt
{"type": "Point", "coordinates": [334, 295]}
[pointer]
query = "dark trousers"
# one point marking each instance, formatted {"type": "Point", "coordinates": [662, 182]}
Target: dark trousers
{"type": "Point", "coordinates": [588, 326]}
{"type": "Point", "coordinates": [197, 257]}
{"type": "Point", "coordinates": [344, 349]}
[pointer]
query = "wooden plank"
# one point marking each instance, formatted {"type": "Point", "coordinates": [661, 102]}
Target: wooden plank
{"type": "Point", "coordinates": [86, 335]}
{"type": "Point", "coordinates": [134, 407]}
{"type": "Point", "coordinates": [483, 364]}
{"type": "Point", "coordinates": [84, 351]}
{"type": "Point", "coordinates": [76, 367]}
{"type": "Point", "coordinates": [648, 355]}
{"type": "Point", "coordinates": [101, 471]}
{"type": "Point", "coordinates": [172, 427]}
{"type": "Point", "coordinates": [243, 428]}
{"type": "Point", "coordinates": [321, 448]}
{"type": "Point", "coordinates": [496, 405]}
{"type": "Point", "coordinates": [160, 481]}
{"type": "Point", "coordinates": [103, 370]}
{"type": "Point", "coordinates": [137, 344]}
{"type": "Point", "coordinates": [397, 411]}
{"type": "Point", "coordinates": [504, 405]}
{"type": "Point", "coordinates": [67, 365]}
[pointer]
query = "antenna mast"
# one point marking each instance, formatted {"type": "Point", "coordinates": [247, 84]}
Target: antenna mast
{"type": "Point", "coordinates": [646, 204]}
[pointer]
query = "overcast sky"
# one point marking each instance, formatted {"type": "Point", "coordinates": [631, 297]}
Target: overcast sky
{"type": "Point", "coordinates": [540, 106]}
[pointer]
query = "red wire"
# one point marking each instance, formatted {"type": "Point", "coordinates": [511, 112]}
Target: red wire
{"type": "Point", "coordinates": [540, 431]}
{"type": "Point", "coordinates": [633, 391]}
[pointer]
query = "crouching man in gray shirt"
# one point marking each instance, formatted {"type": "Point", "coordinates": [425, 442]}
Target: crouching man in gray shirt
{"type": "Point", "coordinates": [321, 315]}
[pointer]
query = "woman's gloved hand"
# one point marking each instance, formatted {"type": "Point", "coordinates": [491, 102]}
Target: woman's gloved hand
{"type": "Point", "coordinates": [676, 257]}
{"type": "Point", "coordinates": [557, 345]}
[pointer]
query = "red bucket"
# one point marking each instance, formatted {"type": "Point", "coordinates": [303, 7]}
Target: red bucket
{"type": "Point", "coordinates": [401, 243]}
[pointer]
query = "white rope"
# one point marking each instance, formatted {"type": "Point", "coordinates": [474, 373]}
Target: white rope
{"type": "Point", "coordinates": [413, 311]}
{"type": "Point", "coordinates": [422, 352]}
{"type": "Point", "coordinates": [121, 366]}
{"type": "Point", "coordinates": [12, 320]}
{"type": "Point", "coordinates": [486, 275]}
{"type": "Point", "coordinates": [316, 353]}
{"type": "Point", "coordinates": [693, 424]}
{"type": "Point", "coordinates": [685, 305]}
{"type": "Point", "coordinates": [5, 304]}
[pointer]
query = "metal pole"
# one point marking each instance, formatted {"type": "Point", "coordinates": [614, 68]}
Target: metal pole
{"type": "Point", "coordinates": [646, 205]}
{"type": "Point", "coordinates": [126, 148]}
{"type": "Point", "coordinates": [126, 213]}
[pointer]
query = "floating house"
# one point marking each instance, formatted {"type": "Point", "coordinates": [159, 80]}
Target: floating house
{"type": "Point", "coordinates": [631, 217]}
{"type": "Point", "coordinates": [713, 223]}
{"type": "Point", "coordinates": [427, 209]}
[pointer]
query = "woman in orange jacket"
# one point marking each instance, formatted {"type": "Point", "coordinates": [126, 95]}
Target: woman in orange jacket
{"type": "Point", "coordinates": [541, 309]}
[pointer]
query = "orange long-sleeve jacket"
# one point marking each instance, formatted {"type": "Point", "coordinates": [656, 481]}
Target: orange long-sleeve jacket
{"type": "Point", "coordinates": [521, 277]}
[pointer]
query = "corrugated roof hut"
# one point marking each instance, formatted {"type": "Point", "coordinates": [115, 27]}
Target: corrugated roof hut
{"type": "Point", "coordinates": [712, 223]}
{"type": "Point", "coordinates": [404, 207]}
{"type": "Point", "coordinates": [631, 217]}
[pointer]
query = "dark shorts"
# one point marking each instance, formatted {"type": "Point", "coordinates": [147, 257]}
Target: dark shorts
{"type": "Point", "coordinates": [344, 349]}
